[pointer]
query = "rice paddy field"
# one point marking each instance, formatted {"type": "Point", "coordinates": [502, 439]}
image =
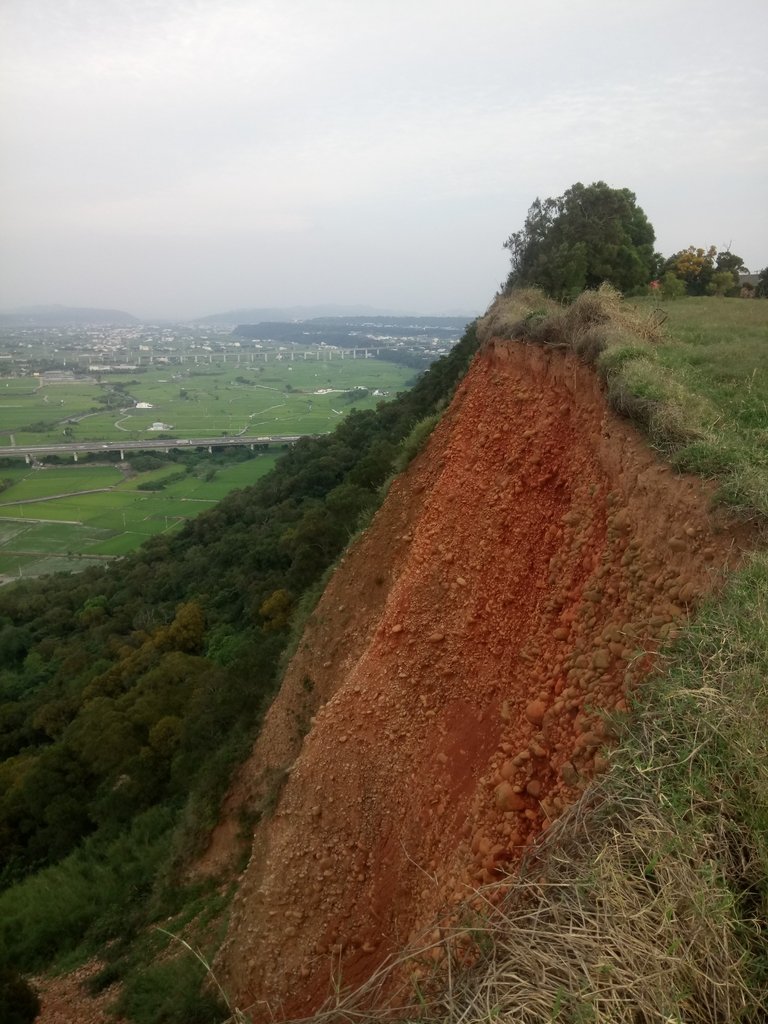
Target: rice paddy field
{"type": "Point", "coordinates": [55, 519]}
{"type": "Point", "coordinates": [67, 517]}
{"type": "Point", "coordinates": [277, 396]}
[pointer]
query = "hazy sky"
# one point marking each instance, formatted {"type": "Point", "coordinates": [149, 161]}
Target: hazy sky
{"type": "Point", "coordinates": [180, 158]}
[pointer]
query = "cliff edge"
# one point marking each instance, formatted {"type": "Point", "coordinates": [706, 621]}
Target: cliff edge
{"type": "Point", "coordinates": [453, 691]}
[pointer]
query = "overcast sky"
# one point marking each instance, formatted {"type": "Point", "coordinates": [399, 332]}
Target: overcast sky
{"type": "Point", "coordinates": [182, 158]}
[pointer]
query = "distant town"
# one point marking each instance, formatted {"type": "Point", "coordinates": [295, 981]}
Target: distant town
{"type": "Point", "coordinates": [68, 350]}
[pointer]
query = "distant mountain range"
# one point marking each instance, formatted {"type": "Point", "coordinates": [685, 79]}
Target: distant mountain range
{"type": "Point", "coordinates": [65, 316]}
{"type": "Point", "coordinates": [288, 314]}
{"type": "Point", "coordinates": [71, 316]}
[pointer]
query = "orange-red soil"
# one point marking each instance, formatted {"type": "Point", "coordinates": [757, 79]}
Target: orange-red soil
{"type": "Point", "coordinates": [512, 588]}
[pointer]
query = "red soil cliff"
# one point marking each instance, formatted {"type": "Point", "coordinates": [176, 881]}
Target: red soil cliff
{"type": "Point", "coordinates": [514, 586]}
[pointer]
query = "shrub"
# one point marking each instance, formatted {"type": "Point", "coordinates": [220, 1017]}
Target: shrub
{"type": "Point", "coordinates": [19, 1003]}
{"type": "Point", "coordinates": [672, 286]}
{"type": "Point", "coordinates": [415, 441]}
{"type": "Point", "coordinates": [171, 992]}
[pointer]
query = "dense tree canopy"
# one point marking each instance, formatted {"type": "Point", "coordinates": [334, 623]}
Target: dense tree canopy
{"type": "Point", "coordinates": [590, 234]}
{"type": "Point", "coordinates": [706, 271]}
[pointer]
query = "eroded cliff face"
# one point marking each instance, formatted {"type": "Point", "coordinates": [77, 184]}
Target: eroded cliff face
{"type": "Point", "coordinates": [446, 702]}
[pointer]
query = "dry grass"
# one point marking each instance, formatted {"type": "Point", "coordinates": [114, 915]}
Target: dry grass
{"type": "Point", "coordinates": [508, 312]}
{"type": "Point", "coordinates": [613, 920]}
{"type": "Point", "coordinates": [595, 321]}
{"type": "Point", "coordinates": [671, 413]}
{"type": "Point", "coordinates": [621, 341]}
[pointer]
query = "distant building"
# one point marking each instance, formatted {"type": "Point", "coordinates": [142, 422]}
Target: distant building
{"type": "Point", "coordinates": [749, 279]}
{"type": "Point", "coordinates": [58, 376]}
{"type": "Point", "coordinates": [160, 426]}
{"type": "Point", "coordinates": [144, 405]}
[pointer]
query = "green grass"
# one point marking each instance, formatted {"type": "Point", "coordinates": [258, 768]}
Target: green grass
{"type": "Point", "coordinates": [23, 403]}
{"type": "Point", "coordinates": [718, 350]}
{"type": "Point", "coordinates": [41, 483]}
{"type": "Point", "coordinates": [15, 564]}
{"type": "Point", "coordinates": [110, 523]}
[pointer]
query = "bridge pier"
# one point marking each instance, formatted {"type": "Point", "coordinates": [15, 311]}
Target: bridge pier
{"type": "Point", "coordinates": [75, 454]}
{"type": "Point", "coordinates": [210, 449]}
{"type": "Point", "coordinates": [122, 455]}
{"type": "Point", "coordinates": [28, 459]}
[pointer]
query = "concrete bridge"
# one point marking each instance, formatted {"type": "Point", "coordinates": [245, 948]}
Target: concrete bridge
{"type": "Point", "coordinates": [31, 452]}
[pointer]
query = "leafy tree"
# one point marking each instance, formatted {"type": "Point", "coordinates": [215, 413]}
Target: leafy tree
{"type": "Point", "coordinates": [722, 281]}
{"type": "Point", "coordinates": [762, 284]}
{"type": "Point", "coordinates": [590, 234]}
{"type": "Point", "coordinates": [276, 610]}
{"type": "Point", "coordinates": [729, 261]}
{"type": "Point", "coordinates": [695, 267]}
{"type": "Point", "coordinates": [672, 286]}
{"type": "Point", "coordinates": [706, 271]}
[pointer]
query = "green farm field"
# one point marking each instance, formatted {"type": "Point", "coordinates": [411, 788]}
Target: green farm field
{"type": "Point", "coordinates": [197, 400]}
{"type": "Point", "coordinates": [49, 523]}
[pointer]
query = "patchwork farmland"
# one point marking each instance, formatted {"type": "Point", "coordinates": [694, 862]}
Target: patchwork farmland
{"type": "Point", "coordinates": [71, 515]}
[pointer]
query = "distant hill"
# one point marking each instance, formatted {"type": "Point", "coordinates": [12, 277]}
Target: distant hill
{"type": "Point", "coordinates": [353, 331]}
{"type": "Point", "coordinates": [290, 314]}
{"type": "Point", "coordinates": [286, 314]}
{"type": "Point", "coordinates": [65, 316]}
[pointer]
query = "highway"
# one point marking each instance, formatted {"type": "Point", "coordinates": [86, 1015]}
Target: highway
{"type": "Point", "coordinates": [164, 444]}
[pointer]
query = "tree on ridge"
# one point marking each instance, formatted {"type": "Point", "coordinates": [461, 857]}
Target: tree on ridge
{"type": "Point", "coordinates": [590, 234]}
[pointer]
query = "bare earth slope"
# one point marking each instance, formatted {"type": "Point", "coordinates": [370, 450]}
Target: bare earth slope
{"type": "Point", "coordinates": [513, 586]}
